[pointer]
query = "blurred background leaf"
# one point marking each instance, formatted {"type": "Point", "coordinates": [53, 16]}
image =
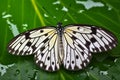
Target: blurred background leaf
{"type": "Point", "coordinates": [17, 16]}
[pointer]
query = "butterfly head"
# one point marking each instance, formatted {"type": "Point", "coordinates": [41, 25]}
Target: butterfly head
{"type": "Point", "coordinates": [59, 27]}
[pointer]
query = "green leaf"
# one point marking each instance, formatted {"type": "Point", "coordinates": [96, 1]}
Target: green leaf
{"type": "Point", "coordinates": [17, 16]}
{"type": "Point", "coordinates": [115, 70]}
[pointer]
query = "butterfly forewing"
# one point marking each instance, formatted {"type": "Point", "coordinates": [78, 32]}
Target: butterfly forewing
{"type": "Point", "coordinates": [27, 42]}
{"type": "Point", "coordinates": [94, 39]}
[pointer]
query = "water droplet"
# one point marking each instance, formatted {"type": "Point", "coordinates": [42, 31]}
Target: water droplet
{"type": "Point", "coordinates": [34, 77]}
{"type": "Point", "coordinates": [65, 9]}
{"type": "Point", "coordinates": [90, 4]}
{"type": "Point", "coordinates": [54, 16]}
{"type": "Point", "coordinates": [65, 20]}
{"type": "Point", "coordinates": [109, 7]}
{"type": "Point", "coordinates": [115, 60]}
{"type": "Point", "coordinates": [13, 28]}
{"type": "Point", "coordinates": [45, 15]}
{"type": "Point", "coordinates": [91, 67]}
{"type": "Point", "coordinates": [3, 68]}
{"type": "Point", "coordinates": [103, 72]}
{"type": "Point", "coordinates": [57, 8]}
{"type": "Point", "coordinates": [9, 6]}
{"type": "Point", "coordinates": [56, 2]}
{"type": "Point", "coordinates": [17, 71]}
{"type": "Point", "coordinates": [25, 26]}
{"type": "Point", "coordinates": [4, 15]}
{"type": "Point", "coordinates": [80, 11]}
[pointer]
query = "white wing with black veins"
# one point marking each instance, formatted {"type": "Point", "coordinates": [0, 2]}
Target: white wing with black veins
{"type": "Point", "coordinates": [42, 42]}
{"type": "Point", "coordinates": [80, 40]}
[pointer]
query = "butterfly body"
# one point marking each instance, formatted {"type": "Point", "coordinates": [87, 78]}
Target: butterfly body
{"type": "Point", "coordinates": [71, 45]}
{"type": "Point", "coordinates": [60, 29]}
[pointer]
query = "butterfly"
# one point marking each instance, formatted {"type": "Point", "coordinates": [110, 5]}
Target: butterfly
{"type": "Point", "coordinates": [70, 46]}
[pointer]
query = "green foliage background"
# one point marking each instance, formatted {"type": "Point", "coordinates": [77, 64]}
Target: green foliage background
{"type": "Point", "coordinates": [30, 14]}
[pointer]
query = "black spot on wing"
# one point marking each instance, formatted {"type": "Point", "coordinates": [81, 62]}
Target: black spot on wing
{"type": "Point", "coordinates": [67, 61]}
{"type": "Point", "coordinates": [87, 44]}
{"type": "Point", "coordinates": [80, 46]}
{"type": "Point", "coordinates": [21, 51]}
{"type": "Point", "coordinates": [41, 31]}
{"type": "Point", "coordinates": [93, 40]}
{"type": "Point", "coordinates": [45, 40]}
{"type": "Point", "coordinates": [50, 68]}
{"type": "Point", "coordinates": [42, 48]}
{"type": "Point", "coordinates": [73, 62]}
{"type": "Point", "coordinates": [83, 66]}
{"type": "Point", "coordinates": [52, 63]}
{"type": "Point", "coordinates": [111, 44]}
{"type": "Point", "coordinates": [94, 30]}
{"type": "Point", "coordinates": [76, 68]}
{"type": "Point", "coordinates": [74, 32]}
{"type": "Point", "coordinates": [48, 58]}
{"type": "Point", "coordinates": [46, 34]}
{"type": "Point", "coordinates": [96, 49]}
{"type": "Point", "coordinates": [33, 47]}
{"type": "Point", "coordinates": [77, 57]}
{"type": "Point", "coordinates": [16, 51]}
{"type": "Point", "coordinates": [27, 34]}
{"type": "Point", "coordinates": [102, 48]}
{"type": "Point", "coordinates": [29, 44]}
{"type": "Point", "coordinates": [78, 28]}
{"type": "Point", "coordinates": [106, 46]}
{"type": "Point", "coordinates": [73, 37]}
{"type": "Point", "coordinates": [42, 54]}
{"type": "Point", "coordinates": [82, 53]}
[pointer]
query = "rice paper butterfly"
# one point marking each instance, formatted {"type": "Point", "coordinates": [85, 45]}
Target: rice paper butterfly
{"type": "Point", "coordinates": [70, 46]}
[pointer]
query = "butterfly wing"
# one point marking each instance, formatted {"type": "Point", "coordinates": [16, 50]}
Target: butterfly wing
{"type": "Point", "coordinates": [80, 40]}
{"type": "Point", "coordinates": [76, 55]}
{"type": "Point", "coordinates": [93, 38]}
{"type": "Point", "coordinates": [27, 42]}
{"type": "Point", "coordinates": [42, 42]}
{"type": "Point", "coordinates": [47, 54]}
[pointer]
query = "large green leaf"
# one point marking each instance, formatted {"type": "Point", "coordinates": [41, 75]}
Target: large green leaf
{"type": "Point", "coordinates": [21, 15]}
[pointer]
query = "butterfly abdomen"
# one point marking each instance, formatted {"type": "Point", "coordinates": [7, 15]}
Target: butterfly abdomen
{"type": "Point", "coordinates": [61, 50]}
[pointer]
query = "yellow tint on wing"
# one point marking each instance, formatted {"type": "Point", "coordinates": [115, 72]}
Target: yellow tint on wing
{"type": "Point", "coordinates": [80, 29]}
{"type": "Point", "coordinates": [41, 32]}
{"type": "Point", "coordinates": [69, 40]}
{"type": "Point", "coordinates": [52, 41]}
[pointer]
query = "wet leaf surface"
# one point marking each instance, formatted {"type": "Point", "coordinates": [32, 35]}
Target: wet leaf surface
{"type": "Point", "coordinates": [19, 16]}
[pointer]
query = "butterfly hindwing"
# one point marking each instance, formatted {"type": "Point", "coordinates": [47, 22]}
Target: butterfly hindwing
{"type": "Point", "coordinates": [92, 38]}
{"type": "Point", "coordinates": [47, 56]}
{"type": "Point", "coordinates": [76, 56]}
